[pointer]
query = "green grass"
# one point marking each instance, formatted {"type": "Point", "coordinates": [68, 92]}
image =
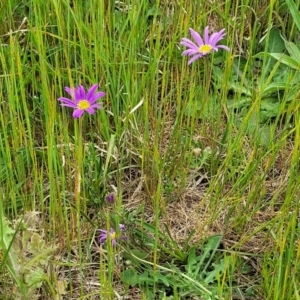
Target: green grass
{"type": "Point", "coordinates": [203, 160]}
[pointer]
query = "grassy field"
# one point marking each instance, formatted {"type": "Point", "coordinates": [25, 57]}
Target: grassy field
{"type": "Point", "coordinates": [185, 185]}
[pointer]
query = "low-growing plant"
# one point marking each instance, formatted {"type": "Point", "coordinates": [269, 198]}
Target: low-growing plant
{"type": "Point", "coordinates": [198, 273]}
{"type": "Point", "coordinates": [26, 256]}
{"type": "Point", "coordinates": [262, 86]}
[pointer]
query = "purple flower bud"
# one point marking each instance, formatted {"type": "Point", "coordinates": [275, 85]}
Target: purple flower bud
{"type": "Point", "coordinates": [110, 198]}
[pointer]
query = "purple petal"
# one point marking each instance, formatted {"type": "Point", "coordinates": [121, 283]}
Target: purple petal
{"type": "Point", "coordinates": [196, 37]}
{"type": "Point", "coordinates": [96, 105]}
{"type": "Point", "coordinates": [95, 97]}
{"type": "Point", "coordinates": [222, 32]}
{"type": "Point", "coordinates": [206, 35]}
{"type": "Point", "coordinates": [223, 47]}
{"type": "Point", "coordinates": [102, 239]}
{"type": "Point", "coordinates": [91, 91]}
{"type": "Point", "coordinates": [194, 58]}
{"type": "Point", "coordinates": [80, 93]}
{"type": "Point", "coordinates": [195, 48]}
{"type": "Point", "coordinates": [122, 227]}
{"type": "Point", "coordinates": [67, 102]}
{"type": "Point", "coordinates": [68, 105]}
{"type": "Point", "coordinates": [77, 93]}
{"type": "Point", "coordinates": [114, 243]}
{"type": "Point", "coordinates": [90, 110]}
{"type": "Point", "coordinates": [189, 52]}
{"type": "Point", "coordinates": [188, 43]}
{"type": "Point", "coordinates": [216, 37]}
{"type": "Point", "coordinates": [103, 236]}
{"type": "Point", "coordinates": [70, 91]}
{"type": "Point", "coordinates": [78, 113]}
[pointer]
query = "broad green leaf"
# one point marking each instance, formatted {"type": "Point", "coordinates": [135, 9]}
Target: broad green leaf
{"type": "Point", "coordinates": [276, 43]}
{"type": "Point", "coordinates": [146, 278]}
{"type": "Point", "coordinates": [162, 278]}
{"type": "Point", "coordinates": [296, 78]}
{"type": "Point", "coordinates": [213, 242]}
{"type": "Point", "coordinates": [283, 74]}
{"type": "Point", "coordinates": [6, 234]}
{"type": "Point", "coordinates": [270, 104]}
{"type": "Point", "coordinates": [293, 50]}
{"type": "Point", "coordinates": [238, 103]}
{"type": "Point", "coordinates": [210, 249]}
{"type": "Point", "coordinates": [292, 94]}
{"type": "Point", "coordinates": [140, 254]}
{"type": "Point", "coordinates": [270, 107]}
{"type": "Point", "coordinates": [294, 12]}
{"type": "Point", "coordinates": [266, 115]}
{"type": "Point", "coordinates": [129, 277]}
{"type": "Point", "coordinates": [135, 256]}
{"type": "Point", "coordinates": [287, 60]}
{"type": "Point", "coordinates": [254, 126]}
{"type": "Point", "coordinates": [219, 268]}
{"type": "Point", "coordinates": [238, 88]}
{"type": "Point", "coordinates": [253, 122]}
{"type": "Point", "coordinates": [192, 260]}
{"type": "Point", "coordinates": [154, 11]}
{"type": "Point", "coordinates": [238, 67]}
{"type": "Point", "coordinates": [265, 135]}
{"type": "Point", "coordinates": [197, 264]}
{"type": "Point", "coordinates": [274, 87]}
{"type": "Point", "coordinates": [34, 279]}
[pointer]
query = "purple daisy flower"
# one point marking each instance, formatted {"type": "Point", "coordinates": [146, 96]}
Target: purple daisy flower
{"type": "Point", "coordinates": [113, 235]}
{"type": "Point", "coordinates": [82, 101]}
{"type": "Point", "coordinates": [203, 47]}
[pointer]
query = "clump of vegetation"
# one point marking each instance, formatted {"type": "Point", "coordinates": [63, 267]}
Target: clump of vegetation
{"type": "Point", "coordinates": [170, 170]}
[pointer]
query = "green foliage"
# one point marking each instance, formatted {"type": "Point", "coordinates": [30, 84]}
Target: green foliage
{"type": "Point", "coordinates": [198, 275]}
{"type": "Point", "coordinates": [294, 12]}
{"type": "Point", "coordinates": [262, 88]}
{"type": "Point", "coordinates": [93, 175]}
{"type": "Point", "coordinates": [167, 245]}
{"type": "Point", "coordinates": [25, 255]}
{"type": "Point", "coordinates": [163, 126]}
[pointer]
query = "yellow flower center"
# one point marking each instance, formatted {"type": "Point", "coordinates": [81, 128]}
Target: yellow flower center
{"type": "Point", "coordinates": [113, 236]}
{"type": "Point", "coordinates": [205, 48]}
{"type": "Point", "coordinates": [83, 104]}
